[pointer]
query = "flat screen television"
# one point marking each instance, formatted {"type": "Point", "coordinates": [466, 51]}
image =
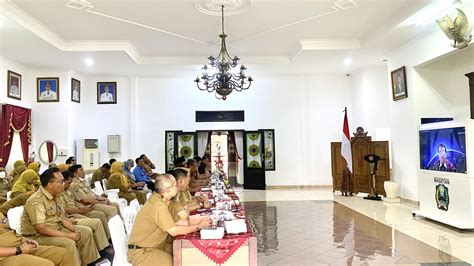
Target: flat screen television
{"type": "Point", "coordinates": [443, 149]}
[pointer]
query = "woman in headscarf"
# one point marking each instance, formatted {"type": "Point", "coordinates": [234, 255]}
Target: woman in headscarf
{"type": "Point", "coordinates": [127, 166]}
{"type": "Point", "coordinates": [35, 166]}
{"type": "Point", "coordinates": [118, 180]}
{"type": "Point", "coordinates": [27, 181]}
{"type": "Point", "coordinates": [18, 168]}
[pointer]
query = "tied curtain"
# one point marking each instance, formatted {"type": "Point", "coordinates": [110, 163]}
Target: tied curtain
{"type": "Point", "coordinates": [49, 148]}
{"type": "Point", "coordinates": [203, 142]}
{"type": "Point", "coordinates": [239, 144]}
{"type": "Point", "coordinates": [14, 119]}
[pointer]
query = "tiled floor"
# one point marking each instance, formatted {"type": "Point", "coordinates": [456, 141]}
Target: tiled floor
{"type": "Point", "coordinates": [313, 227]}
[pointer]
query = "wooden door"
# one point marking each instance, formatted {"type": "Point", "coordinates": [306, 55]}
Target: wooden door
{"type": "Point", "coordinates": [360, 148]}
{"type": "Point", "coordinates": [254, 164]}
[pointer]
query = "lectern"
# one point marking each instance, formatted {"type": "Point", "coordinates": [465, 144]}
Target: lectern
{"type": "Point", "coordinates": [361, 145]}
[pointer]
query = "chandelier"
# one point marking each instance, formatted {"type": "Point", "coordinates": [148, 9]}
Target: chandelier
{"type": "Point", "coordinates": [222, 75]}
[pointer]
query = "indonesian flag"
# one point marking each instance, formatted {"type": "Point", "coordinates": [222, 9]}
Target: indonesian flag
{"type": "Point", "coordinates": [346, 143]}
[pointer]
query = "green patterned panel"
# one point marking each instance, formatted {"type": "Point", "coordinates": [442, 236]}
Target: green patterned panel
{"type": "Point", "coordinates": [254, 158]}
{"type": "Point", "coordinates": [186, 146]}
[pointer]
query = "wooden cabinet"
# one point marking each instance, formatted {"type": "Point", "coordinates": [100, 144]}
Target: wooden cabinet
{"type": "Point", "coordinates": [361, 145]}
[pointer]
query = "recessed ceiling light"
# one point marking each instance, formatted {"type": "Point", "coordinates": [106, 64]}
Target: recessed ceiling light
{"type": "Point", "coordinates": [89, 62]}
{"type": "Point", "coordinates": [347, 61]}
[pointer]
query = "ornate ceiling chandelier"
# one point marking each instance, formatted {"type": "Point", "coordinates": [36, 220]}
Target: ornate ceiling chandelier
{"type": "Point", "coordinates": [222, 75]}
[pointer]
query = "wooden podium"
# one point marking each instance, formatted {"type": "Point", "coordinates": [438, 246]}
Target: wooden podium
{"type": "Point", "coordinates": [361, 145]}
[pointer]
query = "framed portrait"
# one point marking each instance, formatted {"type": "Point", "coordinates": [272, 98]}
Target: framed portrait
{"type": "Point", "coordinates": [75, 90]}
{"type": "Point", "coordinates": [399, 84]}
{"type": "Point", "coordinates": [13, 85]}
{"type": "Point", "coordinates": [47, 89]}
{"type": "Point", "coordinates": [106, 92]}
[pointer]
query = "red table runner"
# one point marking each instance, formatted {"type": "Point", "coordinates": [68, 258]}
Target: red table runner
{"type": "Point", "coordinates": [219, 250]}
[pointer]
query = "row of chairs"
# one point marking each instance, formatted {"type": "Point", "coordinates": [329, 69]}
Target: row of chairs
{"type": "Point", "coordinates": [116, 226]}
{"type": "Point", "coordinates": [120, 227]}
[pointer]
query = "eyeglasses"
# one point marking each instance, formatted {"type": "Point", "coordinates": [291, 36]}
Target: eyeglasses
{"type": "Point", "coordinates": [60, 181]}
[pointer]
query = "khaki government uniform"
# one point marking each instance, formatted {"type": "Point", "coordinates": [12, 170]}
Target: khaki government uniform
{"type": "Point", "coordinates": [43, 208]}
{"type": "Point", "coordinates": [149, 172]}
{"type": "Point", "coordinates": [44, 256]}
{"type": "Point", "coordinates": [100, 237]}
{"type": "Point", "coordinates": [79, 191]}
{"type": "Point", "coordinates": [68, 198]}
{"type": "Point", "coordinates": [4, 188]}
{"type": "Point", "coordinates": [149, 234]}
{"type": "Point", "coordinates": [120, 182]}
{"type": "Point", "coordinates": [97, 176]}
{"type": "Point", "coordinates": [15, 202]}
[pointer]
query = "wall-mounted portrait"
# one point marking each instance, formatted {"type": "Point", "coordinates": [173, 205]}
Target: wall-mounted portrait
{"type": "Point", "coordinates": [47, 89]}
{"type": "Point", "coordinates": [13, 85]}
{"type": "Point", "coordinates": [399, 84]}
{"type": "Point", "coordinates": [106, 92]}
{"type": "Point", "coordinates": [75, 90]}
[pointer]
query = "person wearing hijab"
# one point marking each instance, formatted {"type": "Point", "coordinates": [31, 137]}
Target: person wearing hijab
{"type": "Point", "coordinates": [118, 180]}
{"type": "Point", "coordinates": [127, 165]}
{"type": "Point", "coordinates": [35, 166]}
{"type": "Point", "coordinates": [25, 183]}
{"type": "Point", "coordinates": [18, 168]}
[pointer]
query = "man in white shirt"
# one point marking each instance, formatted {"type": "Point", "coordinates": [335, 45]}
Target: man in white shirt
{"type": "Point", "coordinates": [75, 94]}
{"type": "Point", "coordinates": [106, 96]}
{"type": "Point", "coordinates": [48, 94]}
{"type": "Point", "coordinates": [14, 91]}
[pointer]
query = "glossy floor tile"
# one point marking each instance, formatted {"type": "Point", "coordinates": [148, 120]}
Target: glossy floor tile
{"type": "Point", "coordinates": [325, 232]}
{"type": "Point", "coordinates": [302, 238]}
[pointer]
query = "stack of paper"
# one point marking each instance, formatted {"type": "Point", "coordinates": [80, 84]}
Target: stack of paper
{"type": "Point", "coordinates": [235, 226]}
{"type": "Point", "coordinates": [212, 233]}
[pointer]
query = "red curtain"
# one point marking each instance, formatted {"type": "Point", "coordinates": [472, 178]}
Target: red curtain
{"type": "Point", "coordinates": [49, 148]}
{"type": "Point", "coordinates": [14, 119]}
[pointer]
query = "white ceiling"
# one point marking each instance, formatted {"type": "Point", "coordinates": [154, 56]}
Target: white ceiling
{"type": "Point", "coordinates": [154, 37]}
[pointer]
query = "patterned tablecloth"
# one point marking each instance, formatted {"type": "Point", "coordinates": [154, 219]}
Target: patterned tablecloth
{"type": "Point", "coordinates": [220, 250]}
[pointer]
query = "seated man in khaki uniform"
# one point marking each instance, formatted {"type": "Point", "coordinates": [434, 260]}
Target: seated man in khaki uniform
{"type": "Point", "coordinates": [85, 215]}
{"type": "Point", "coordinates": [44, 220]}
{"type": "Point", "coordinates": [73, 208]}
{"type": "Point", "coordinates": [183, 198]}
{"type": "Point", "coordinates": [102, 173]}
{"type": "Point", "coordinates": [154, 224]}
{"type": "Point", "coordinates": [85, 196]}
{"type": "Point", "coordinates": [17, 251]}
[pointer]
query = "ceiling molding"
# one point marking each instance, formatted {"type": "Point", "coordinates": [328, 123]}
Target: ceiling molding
{"type": "Point", "coordinates": [213, 7]}
{"type": "Point", "coordinates": [330, 44]}
{"type": "Point", "coordinates": [16, 14]}
{"type": "Point", "coordinates": [200, 60]}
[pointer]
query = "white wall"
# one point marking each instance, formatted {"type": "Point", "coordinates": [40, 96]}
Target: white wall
{"type": "Point", "coordinates": [305, 112]}
{"type": "Point", "coordinates": [425, 99]}
{"type": "Point", "coordinates": [370, 99]}
{"type": "Point", "coordinates": [99, 120]}
{"type": "Point", "coordinates": [65, 121]}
